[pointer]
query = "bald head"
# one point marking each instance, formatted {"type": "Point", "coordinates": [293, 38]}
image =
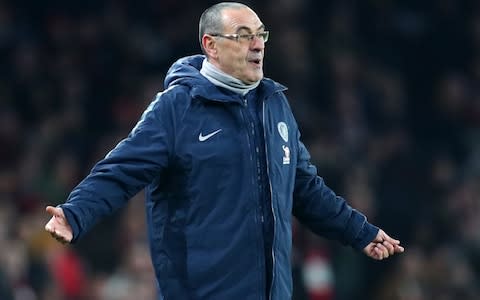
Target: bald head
{"type": "Point", "coordinates": [211, 20]}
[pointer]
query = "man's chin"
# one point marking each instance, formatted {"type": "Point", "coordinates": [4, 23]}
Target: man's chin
{"type": "Point", "coordinates": [254, 79]}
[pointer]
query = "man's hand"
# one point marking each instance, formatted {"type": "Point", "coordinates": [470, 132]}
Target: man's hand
{"type": "Point", "coordinates": [383, 246]}
{"type": "Point", "coordinates": [58, 226]}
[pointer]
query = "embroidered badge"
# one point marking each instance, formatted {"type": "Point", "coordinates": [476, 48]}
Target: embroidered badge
{"type": "Point", "coordinates": [283, 130]}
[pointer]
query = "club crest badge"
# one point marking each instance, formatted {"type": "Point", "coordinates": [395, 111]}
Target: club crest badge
{"type": "Point", "coordinates": [283, 131]}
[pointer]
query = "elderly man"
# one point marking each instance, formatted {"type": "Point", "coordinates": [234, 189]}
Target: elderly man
{"type": "Point", "coordinates": [220, 157]}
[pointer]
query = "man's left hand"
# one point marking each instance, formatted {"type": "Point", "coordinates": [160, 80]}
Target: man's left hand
{"type": "Point", "coordinates": [383, 246]}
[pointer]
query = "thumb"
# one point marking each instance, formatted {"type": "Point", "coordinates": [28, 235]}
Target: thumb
{"type": "Point", "coordinates": [55, 211]}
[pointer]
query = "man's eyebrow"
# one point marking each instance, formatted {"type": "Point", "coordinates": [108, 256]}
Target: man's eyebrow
{"type": "Point", "coordinates": [261, 27]}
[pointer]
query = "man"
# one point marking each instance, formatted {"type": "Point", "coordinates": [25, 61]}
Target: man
{"type": "Point", "coordinates": [220, 157]}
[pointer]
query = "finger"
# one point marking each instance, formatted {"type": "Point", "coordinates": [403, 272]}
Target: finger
{"type": "Point", "coordinates": [392, 241]}
{"type": "Point", "coordinates": [55, 223]}
{"type": "Point", "coordinates": [390, 247]}
{"type": "Point", "coordinates": [396, 245]}
{"type": "Point", "coordinates": [370, 250]}
{"type": "Point", "coordinates": [378, 253]}
{"type": "Point", "coordinates": [55, 211]}
{"type": "Point", "coordinates": [383, 249]}
{"type": "Point", "coordinates": [51, 210]}
{"type": "Point", "coordinates": [49, 226]}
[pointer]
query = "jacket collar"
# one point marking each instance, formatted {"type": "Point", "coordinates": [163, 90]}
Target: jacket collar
{"type": "Point", "coordinates": [186, 71]}
{"type": "Point", "coordinates": [210, 92]}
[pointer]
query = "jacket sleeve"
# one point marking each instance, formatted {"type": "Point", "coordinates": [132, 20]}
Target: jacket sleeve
{"type": "Point", "coordinates": [124, 171]}
{"type": "Point", "coordinates": [325, 213]}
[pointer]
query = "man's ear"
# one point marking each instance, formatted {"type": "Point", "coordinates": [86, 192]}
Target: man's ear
{"type": "Point", "coordinates": [209, 45]}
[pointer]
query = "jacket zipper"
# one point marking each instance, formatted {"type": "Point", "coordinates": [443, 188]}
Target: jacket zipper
{"type": "Point", "coordinates": [271, 199]}
{"type": "Point", "coordinates": [248, 129]}
{"type": "Point", "coordinates": [245, 104]}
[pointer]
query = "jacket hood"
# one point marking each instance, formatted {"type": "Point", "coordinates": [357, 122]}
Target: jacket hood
{"type": "Point", "coordinates": [186, 71]}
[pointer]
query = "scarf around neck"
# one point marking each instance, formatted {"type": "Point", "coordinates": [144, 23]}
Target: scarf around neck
{"type": "Point", "coordinates": [222, 79]}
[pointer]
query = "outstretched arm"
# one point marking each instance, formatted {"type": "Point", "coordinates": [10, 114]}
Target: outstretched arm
{"type": "Point", "coordinates": [128, 168]}
{"type": "Point", "coordinates": [58, 225]}
{"type": "Point", "coordinates": [383, 246]}
{"type": "Point", "coordinates": [329, 215]}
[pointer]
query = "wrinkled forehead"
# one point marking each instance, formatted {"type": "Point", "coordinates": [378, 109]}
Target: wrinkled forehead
{"type": "Point", "coordinates": [235, 20]}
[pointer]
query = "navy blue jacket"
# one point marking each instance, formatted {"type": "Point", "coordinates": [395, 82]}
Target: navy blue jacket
{"type": "Point", "coordinates": [192, 151]}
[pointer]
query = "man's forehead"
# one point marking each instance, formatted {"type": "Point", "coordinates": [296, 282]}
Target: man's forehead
{"type": "Point", "coordinates": [243, 18]}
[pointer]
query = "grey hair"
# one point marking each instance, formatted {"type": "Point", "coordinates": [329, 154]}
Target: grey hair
{"type": "Point", "coordinates": [211, 19]}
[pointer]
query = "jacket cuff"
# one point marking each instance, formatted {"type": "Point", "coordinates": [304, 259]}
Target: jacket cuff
{"type": "Point", "coordinates": [366, 235]}
{"type": "Point", "coordinates": [72, 221]}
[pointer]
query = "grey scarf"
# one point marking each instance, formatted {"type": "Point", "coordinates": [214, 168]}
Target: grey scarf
{"type": "Point", "coordinates": [222, 79]}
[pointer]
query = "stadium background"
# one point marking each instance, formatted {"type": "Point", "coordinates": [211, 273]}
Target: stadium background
{"type": "Point", "coordinates": [387, 94]}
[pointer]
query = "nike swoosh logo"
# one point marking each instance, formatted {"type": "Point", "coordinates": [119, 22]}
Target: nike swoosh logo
{"type": "Point", "coordinates": [203, 138]}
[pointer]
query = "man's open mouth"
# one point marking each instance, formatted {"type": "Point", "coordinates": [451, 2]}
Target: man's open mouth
{"type": "Point", "coordinates": [255, 61]}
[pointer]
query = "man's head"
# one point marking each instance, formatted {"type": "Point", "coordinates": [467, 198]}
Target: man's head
{"type": "Point", "coordinates": [233, 39]}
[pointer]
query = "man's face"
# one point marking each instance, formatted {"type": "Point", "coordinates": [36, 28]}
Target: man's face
{"type": "Point", "coordinates": [242, 58]}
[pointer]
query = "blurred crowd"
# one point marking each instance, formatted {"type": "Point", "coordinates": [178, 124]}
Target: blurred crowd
{"type": "Point", "coordinates": [387, 94]}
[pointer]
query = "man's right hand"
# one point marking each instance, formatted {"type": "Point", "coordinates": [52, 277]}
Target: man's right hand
{"type": "Point", "coordinates": [58, 225]}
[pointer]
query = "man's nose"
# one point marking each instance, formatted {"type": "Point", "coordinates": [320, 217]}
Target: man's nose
{"type": "Point", "coordinates": [257, 43]}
